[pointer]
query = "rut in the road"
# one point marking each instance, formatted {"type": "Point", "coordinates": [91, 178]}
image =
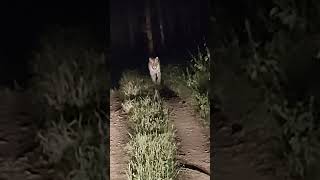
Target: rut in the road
{"type": "Point", "coordinates": [118, 140]}
{"type": "Point", "coordinates": [193, 141]}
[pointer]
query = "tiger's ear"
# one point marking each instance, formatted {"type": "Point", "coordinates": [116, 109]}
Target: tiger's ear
{"type": "Point", "coordinates": [150, 59]}
{"type": "Point", "coordinates": [157, 59]}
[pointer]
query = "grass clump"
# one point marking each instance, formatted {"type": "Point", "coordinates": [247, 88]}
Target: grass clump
{"type": "Point", "coordinates": [148, 116]}
{"type": "Point", "coordinates": [152, 150]}
{"type": "Point", "coordinates": [192, 82]}
{"type": "Point", "coordinates": [298, 135]}
{"type": "Point", "coordinates": [71, 82]}
{"type": "Point", "coordinates": [198, 79]}
{"type": "Point", "coordinates": [133, 84]}
{"type": "Point", "coordinates": [152, 157]}
{"type": "Point", "coordinates": [74, 149]}
{"type": "Point", "coordinates": [74, 82]}
{"type": "Point", "coordinates": [277, 70]}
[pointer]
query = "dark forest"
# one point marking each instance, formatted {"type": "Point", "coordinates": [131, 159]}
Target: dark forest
{"type": "Point", "coordinates": [160, 89]}
{"type": "Point", "coordinates": [174, 32]}
{"type": "Point", "coordinates": [264, 87]}
{"type": "Point", "coordinates": [52, 123]}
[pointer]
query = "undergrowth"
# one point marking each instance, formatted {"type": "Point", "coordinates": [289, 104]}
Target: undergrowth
{"type": "Point", "coordinates": [151, 149]}
{"type": "Point", "coordinates": [277, 69]}
{"type": "Point", "coordinates": [192, 81]}
{"type": "Point", "coordinates": [71, 82]}
{"type": "Point", "coordinates": [133, 84]}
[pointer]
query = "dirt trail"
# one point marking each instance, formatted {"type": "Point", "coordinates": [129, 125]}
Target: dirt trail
{"type": "Point", "coordinates": [243, 154]}
{"type": "Point", "coordinates": [118, 140]}
{"type": "Point", "coordinates": [19, 152]}
{"type": "Point", "coordinates": [193, 141]}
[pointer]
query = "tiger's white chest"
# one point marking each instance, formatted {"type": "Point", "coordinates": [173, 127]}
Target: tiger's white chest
{"type": "Point", "coordinates": [154, 69]}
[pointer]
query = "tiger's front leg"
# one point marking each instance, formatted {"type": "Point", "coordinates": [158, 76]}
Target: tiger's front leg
{"type": "Point", "coordinates": [159, 78]}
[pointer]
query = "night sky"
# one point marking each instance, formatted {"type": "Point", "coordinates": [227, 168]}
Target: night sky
{"type": "Point", "coordinates": [23, 22]}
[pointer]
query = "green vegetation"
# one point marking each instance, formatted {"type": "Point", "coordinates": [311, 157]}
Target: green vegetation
{"type": "Point", "coordinates": [133, 84]}
{"type": "Point", "coordinates": [279, 56]}
{"type": "Point", "coordinates": [148, 116]}
{"type": "Point", "coordinates": [152, 149]}
{"type": "Point", "coordinates": [294, 112]}
{"type": "Point", "coordinates": [153, 157]}
{"type": "Point", "coordinates": [192, 82]}
{"type": "Point", "coordinates": [70, 79]}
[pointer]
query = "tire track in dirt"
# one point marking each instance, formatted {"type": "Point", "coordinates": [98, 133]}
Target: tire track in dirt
{"type": "Point", "coordinates": [192, 140]}
{"type": "Point", "coordinates": [118, 140]}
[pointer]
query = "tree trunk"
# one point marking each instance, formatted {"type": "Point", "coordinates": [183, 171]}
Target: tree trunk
{"type": "Point", "coordinates": [170, 19]}
{"type": "Point", "coordinates": [130, 25]}
{"type": "Point", "coordinates": [148, 29]}
{"type": "Point", "coordinates": [162, 37]}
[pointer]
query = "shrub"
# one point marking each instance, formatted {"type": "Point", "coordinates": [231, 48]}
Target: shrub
{"type": "Point", "coordinates": [74, 149]}
{"type": "Point", "coordinates": [73, 83]}
{"type": "Point", "coordinates": [151, 149]}
{"type": "Point", "coordinates": [148, 116]}
{"type": "Point", "coordinates": [194, 81]}
{"type": "Point", "coordinates": [294, 112]}
{"type": "Point", "coordinates": [152, 157]}
{"type": "Point", "coordinates": [132, 84]}
{"type": "Point", "coordinates": [70, 79]}
{"type": "Point", "coordinates": [300, 145]}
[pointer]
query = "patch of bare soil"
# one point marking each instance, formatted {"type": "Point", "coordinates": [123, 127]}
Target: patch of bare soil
{"type": "Point", "coordinates": [118, 140]}
{"type": "Point", "coordinates": [193, 141]}
{"type": "Point", "coordinates": [242, 146]}
{"type": "Point", "coordinates": [242, 154]}
{"type": "Point", "coordinates": [19, 152]}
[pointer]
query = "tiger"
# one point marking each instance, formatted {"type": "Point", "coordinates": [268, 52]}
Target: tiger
{"type": "Point", "coordinates": [155, 73]}
{"type": "Point", "coordinates": [154, 68]}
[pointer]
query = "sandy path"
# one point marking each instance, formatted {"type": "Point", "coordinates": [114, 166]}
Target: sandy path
{"type": "Point", "coordinates": [118, 140]}
{"type": "Point", "coordinates": [193, 140]}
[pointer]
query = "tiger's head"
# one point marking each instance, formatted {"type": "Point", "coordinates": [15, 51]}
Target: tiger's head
{"type": "Point", "coordinates": [154, 62]}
